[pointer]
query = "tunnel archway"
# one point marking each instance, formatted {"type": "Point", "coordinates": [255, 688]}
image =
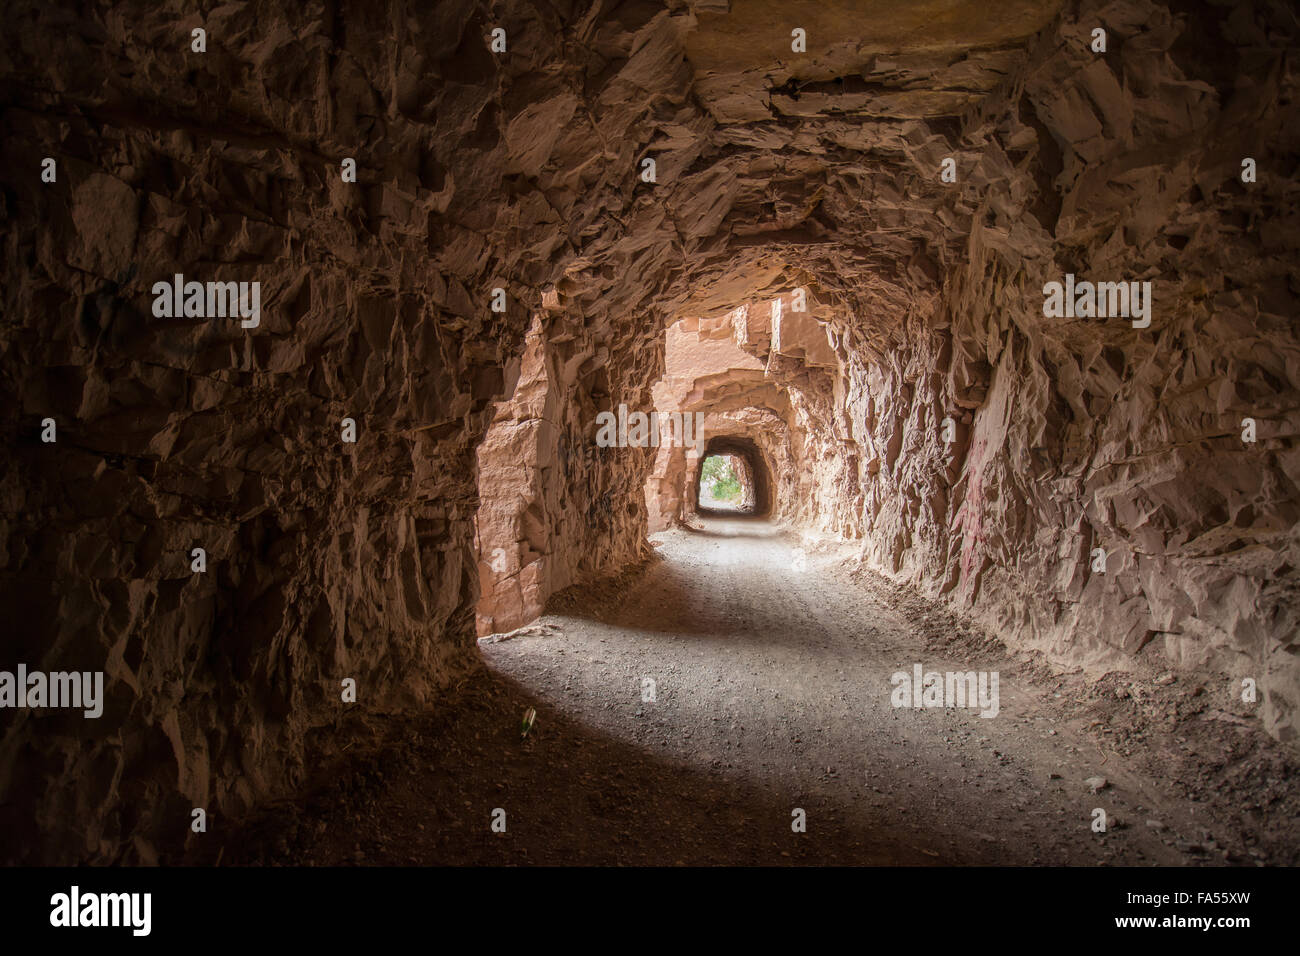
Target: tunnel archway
{"type": "Point", "coordinates": [753, 471]}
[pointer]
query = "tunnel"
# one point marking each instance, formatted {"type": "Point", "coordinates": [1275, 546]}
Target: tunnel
{"type": "Point", "coordinates": [754, 494]}
{"type": "Point", "coordinates": [360, 371]}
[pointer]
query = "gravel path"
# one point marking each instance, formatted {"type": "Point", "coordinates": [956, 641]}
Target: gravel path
{"type": "Point", "coordinates": [772, 693]}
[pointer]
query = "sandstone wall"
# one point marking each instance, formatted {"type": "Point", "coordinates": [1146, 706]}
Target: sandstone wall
{"type": "Point", "coordinates": [1075, 434]}
{"type": "Point", "coordinates": [325, 560]}
{"type": "Point", "coordinates": [524, 172]}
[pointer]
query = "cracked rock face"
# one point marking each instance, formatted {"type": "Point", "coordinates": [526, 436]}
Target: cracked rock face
{"type": "Point", "coordinates": [774, 171]}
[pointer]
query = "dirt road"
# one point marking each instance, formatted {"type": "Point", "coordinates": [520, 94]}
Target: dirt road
{"type": "Point", "coordinates": [772, 694]}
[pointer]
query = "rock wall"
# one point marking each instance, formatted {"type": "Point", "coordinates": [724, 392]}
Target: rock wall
{"type": "Point", "coordinates": [526, 171]}
{"type": "Point", "coordinates": [325, 560]}
{"type": "Point", "coordinates": [556, 509]}
{"type": "Point", "coordinates": [1072, 434]}
{"type": "Point", "coordinates": [514, 526]}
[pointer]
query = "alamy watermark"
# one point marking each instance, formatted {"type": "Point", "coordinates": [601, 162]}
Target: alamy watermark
{"type": "Point", "coordinates": [212, 300]}
{"type": "Point", "coordinates": [1101, 300]}
{"type": "Point", "coordinates": [954, 689]}
{"type": "Point", "coordinates": [75, 909]}
{"type": "Point", "coordinates": [24, 688]}
{"type": "Point", "coordinates": [639, 430]}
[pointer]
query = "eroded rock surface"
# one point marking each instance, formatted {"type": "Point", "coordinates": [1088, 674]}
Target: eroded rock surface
{"type": "Point", "coordinates": [521, 171]}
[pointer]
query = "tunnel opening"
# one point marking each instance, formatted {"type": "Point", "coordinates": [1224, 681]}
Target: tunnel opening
{"type": "Point", "coordinates": [732, 478]}
{"type": "Point", "coordinates": [709, 374]}
{"type": "Point", "coordinates": [726, 485]}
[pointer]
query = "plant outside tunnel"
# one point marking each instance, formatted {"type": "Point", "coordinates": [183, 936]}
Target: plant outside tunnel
{"type": "Point", "coordinates": [721, 478]}
{"type": "Point", "coordinates": [720, 485]}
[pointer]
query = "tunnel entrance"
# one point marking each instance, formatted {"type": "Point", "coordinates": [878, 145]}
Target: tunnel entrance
{"type": "Point", "coordinates": [732, 478]}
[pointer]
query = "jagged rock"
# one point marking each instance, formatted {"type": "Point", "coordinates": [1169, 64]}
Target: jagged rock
{"type": "Point", "coordinates": [477, 171]}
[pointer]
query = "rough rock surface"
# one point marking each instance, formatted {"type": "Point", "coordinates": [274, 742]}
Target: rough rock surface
{"type": "Point", "coordinates": [774, 171]}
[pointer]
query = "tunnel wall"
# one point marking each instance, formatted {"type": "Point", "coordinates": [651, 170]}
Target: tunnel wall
{"type": "Point", "coordinates": [1077, 434]}
{"type": "Point", "coordinates": [325, 560]}
{"type": "Point", "coordinates": [513, 527]}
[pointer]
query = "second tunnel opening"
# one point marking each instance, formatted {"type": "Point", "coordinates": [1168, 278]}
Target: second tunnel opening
{"type": "Point", "coordinates": [732, 478]}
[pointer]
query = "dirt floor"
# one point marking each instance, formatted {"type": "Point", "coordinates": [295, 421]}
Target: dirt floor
{"type": "Point", "coordinates": [772, 690]}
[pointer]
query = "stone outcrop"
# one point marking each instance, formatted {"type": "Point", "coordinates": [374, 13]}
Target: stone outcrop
{"type": "Point", "coordinates": [774, 171]}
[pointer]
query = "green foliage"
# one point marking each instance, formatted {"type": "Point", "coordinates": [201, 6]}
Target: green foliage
{"type": "Point", "coordinates": [726, 486]}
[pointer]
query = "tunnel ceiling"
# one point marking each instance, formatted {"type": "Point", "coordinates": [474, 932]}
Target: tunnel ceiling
{"type": "Point", "coordinates": [898, 59]}
{"type": "Point", "coordinates": [810, 186]}
{"type": "Point", "coordinates": [820, 186]}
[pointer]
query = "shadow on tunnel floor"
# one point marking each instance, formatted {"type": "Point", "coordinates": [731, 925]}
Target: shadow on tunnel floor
{"type": "Point", "coordinates": [571, 796]}
{"type": "Point", "coordinates": [673, 599]}
{"type": "Point", "coordinates": [734, 524]}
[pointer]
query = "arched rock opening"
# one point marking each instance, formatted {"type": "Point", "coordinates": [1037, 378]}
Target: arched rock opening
{"type": "Point", "coordinates": [756, 479]}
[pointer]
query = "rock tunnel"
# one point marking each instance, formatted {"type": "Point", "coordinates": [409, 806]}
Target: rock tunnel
{"type": "Point", "coordinates": [752, 474]}
{"type": "Point", "coordinates": [1000, 317]}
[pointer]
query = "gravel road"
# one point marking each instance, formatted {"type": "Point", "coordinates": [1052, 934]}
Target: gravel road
{"type": "Point", "coordinates": [771, 661]}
